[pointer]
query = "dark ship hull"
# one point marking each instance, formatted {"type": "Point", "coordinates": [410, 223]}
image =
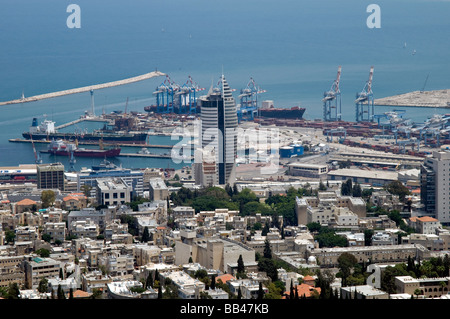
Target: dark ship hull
{"type": "Point", "coordinates": [292, 113]}
{"type": "Point", "coordinates": [88, 153]}
{"type": "Point", "coordinates": [128, 138]}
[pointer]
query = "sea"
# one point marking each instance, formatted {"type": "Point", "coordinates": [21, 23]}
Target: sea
{"type": "Point", "coordinates": [290, 48]}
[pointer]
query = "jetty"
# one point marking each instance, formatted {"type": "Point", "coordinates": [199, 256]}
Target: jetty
{"type": "Point", "coordinates": [142, 77]}
{"type": "Point", "coordinates": [433, 99]}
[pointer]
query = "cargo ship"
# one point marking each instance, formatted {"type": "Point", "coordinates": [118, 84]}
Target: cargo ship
{"type": "Point", "coordinates": [284, 113]}
{"type": "Point", "coordinates": [60, 148]}
{"type": "Point", "coordinates": [47, 131]}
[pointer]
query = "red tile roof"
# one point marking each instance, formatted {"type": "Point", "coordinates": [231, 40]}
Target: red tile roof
{"type": "Point", "coordinates": [26, 202]}
{"type": "Point", "coordinates": [303, 290]}
{"type": "Point", "coordinates": [225, 278]}
{"type": "Point", "coordinates": [427, 219]}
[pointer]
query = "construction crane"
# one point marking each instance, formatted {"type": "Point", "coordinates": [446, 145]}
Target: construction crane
{"type": "Point", "coordinates": [364, 101]}
{"type": "Point", "coordinates": [37, 157]}
{"type": "Point", "coordinates": [249, 101]}
{"type": "Point", "coordinates": [332, 101]}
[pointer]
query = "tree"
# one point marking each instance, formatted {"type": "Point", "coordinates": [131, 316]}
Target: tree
{"type": "Point", "coordinates": [368, 234]}
{"type": "Point", "coordinates": [357, 191]}
{"type": "Point", "coordinates": [86, 189]}
{"type": "Point", "coordinates": [96, 293]}
{"type": "Point", "coordinates": [44, 253]}
{"type": "Point", "coordinates": [213, 282]}
{"type": "Point", "coordinates": [13, 291]}
{"type": "Point", "coordinates": [43, 285]}
{"type": "Point", "coordinates": [240, 265]}
{"type": "Point", "coordinates": [260, 291]}
{"type": "Point", "coordinates": [346, 263]}
{"type": "Point", "coordinates": [145, 235]}
{"type": "Point", "coordinates": [149, 281]}
{"type": "Point", "coordinates": [267, 250]}
{"type": "Point", "coordinates": [47, 198]}
{"type": "Point", "coordinates": [347, 188]}
{"type": "Point", "coordinates": [60, 293]}
{"type": "Point", "coordinates": [159, 292]}
{"type": "Point", "coordinates": [265, 230]}
{"type": "Point", "coordinates": [397, 188]}
{"type": "Point", "coordinates": [10, 236]}
{"type": "Point", "coordinates": [268, 266]}
{"type": "Point", "coordinates": [322, 186]}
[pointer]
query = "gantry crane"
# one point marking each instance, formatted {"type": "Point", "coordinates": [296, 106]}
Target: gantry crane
{"type": "Point", "coordinates": [249, 101]}
{"type": "Point", "coordinates": [187, 96]}
{"type": "Point", "coordinates": [165, 95]}
{"type": "Point", "coordinates": [364, 101]}
{"type": "Point", "coordinates": [332, 101]}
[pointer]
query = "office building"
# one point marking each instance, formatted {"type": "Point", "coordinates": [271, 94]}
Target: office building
{"type": "Point", "coordinates": [435, 186]}
{"type": "Point", "coordinates": [50, 176]}
{"type": "Point", "coordinates": [218, 136]}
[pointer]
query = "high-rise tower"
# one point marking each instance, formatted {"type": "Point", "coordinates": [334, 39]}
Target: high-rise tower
{"type": "Point", "coordinates": [218, 138]}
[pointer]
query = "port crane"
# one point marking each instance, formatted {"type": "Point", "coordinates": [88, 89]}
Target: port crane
{"type": "Point", "coordinates": [339, 131]}
{"type": "Point", "coordinates": [249, 101]}
{"type": "Point", "coordinates": [165, 95]}
{"type": "Point", "coordinates": [332, 101]}
{"type": "Point", "coordinates": [364, 101]}
{"type": "Point", "coordinates": [187, 96]}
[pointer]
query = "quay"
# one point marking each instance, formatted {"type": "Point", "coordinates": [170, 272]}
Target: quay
{"type": "Point", "coordinates": [19, 140]}
{"type": "Point", "coordinates": [83, 89]}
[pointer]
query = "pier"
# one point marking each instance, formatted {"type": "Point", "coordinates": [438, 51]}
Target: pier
{"type": "Point", "coordinates": [82, 119]}
{"type": "Point", "coordinates": [83, 89]}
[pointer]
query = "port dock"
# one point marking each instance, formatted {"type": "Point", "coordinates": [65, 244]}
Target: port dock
{"type": "Point", "coordinates": [83, 89]}
{"type": "Point", "coordinates": [20, 140]}
{"type": "Point", "coordinates": [433, 99]}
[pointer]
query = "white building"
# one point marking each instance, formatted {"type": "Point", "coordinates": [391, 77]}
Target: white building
{"type": "Point", "coordinates": [218, 136]}
{"type": "Point", "coordinates": [435, 186]}
{"type": "Point", "coordinates": [113, 191]}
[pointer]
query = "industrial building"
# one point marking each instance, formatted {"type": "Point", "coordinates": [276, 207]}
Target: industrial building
{"type": "Point", "coordinates": [308, 170]}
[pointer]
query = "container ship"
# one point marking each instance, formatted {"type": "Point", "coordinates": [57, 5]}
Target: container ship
{"type": "Point", "coordinates": [47, 131]}
{"type": "Point", "coordinates": [60, 148]}
{"type": "Point", "coordinates": [285, 113]}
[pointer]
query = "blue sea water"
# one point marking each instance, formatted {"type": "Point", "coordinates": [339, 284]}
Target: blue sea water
{"type": "Point", "coordinates": [292, 49]}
